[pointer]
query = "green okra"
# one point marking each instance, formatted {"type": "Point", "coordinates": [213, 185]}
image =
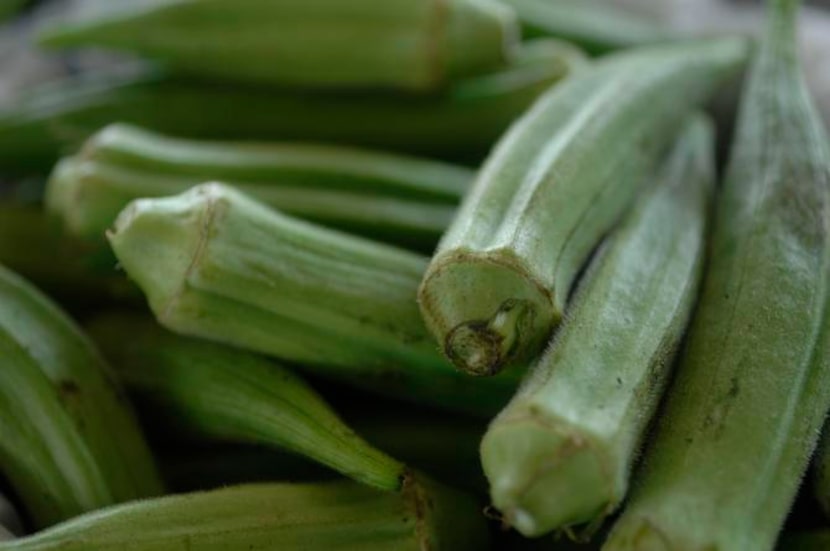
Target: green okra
{"type": "Point", "coordinates": [216, 264]}
{"type": "Point", "coordinates": [753, 385]}
{"type": "Point", "coordinates": [389, 197]}
{"type": "Point", "coordinates": [235, 396]}
{"type": "Point", "coordinates": [320, 516]}
{"type": "Point", "coordinates": [68, 439]}
{"type": "Point", "coordinates": [418, 45]}
{"type": "Point", "coordinates": [556, 183]}
{"type": "Point", "coordinates": [596, 25]}
{"type": "Point", "coordinates": [560, 454]}
{"type": "Point", "coordinates": [462, 121]}
{"type": "Point", "coordinates": [821, 472]}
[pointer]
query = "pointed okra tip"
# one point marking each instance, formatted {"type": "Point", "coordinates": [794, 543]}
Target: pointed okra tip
{"type": "Point", "coordinates": [158, 242]}
{"type": "Point", "coordinates": [545, 475]}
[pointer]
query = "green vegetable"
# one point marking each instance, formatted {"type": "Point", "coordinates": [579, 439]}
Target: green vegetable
{"type": "Point", "coordinates": [410, 44]}
{"type": "Point", "coordinates": [753, 385]}
{"type": "Point", "coordinates": [821, 468]}
{"type": "Point", "coordinates": [322, 516]}
{"type": "Point", "coordinates": [389, 197]}
{"type": "Point", "coordinates": [236, 396]}
{"type": "Point", "coordinates": [561, 452]}
{"type": "Point", "coordinates": [68, 439]}
{"type": "Point", "coordinates": [216, 264]}
{"type": "Point", "coordinates": [462, 121]}
{"type": "Point", "coordinates": [557, 182]}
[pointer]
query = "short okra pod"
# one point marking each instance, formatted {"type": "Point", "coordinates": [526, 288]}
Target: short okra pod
{"type": "Point", "coordinates": [556, 183]}
{"type": "Point", "coordinates": [314, 516]}
{"type": "Point", "coordinates": [216, 264]}
{"type": "Point", "coordinates": [560, 454]}
{"type": "Point", "coordinates": [752, 389]}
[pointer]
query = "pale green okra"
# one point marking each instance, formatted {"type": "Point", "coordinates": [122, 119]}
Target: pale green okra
{"type": "Point", "coordinates": [557, 182]}
{"type": "Point", "coordinates": [231, 395]}
{"type": "Point", "coordinates": [389, 197]}
{"type": "Point", "coordinates": [418, 45]}
{"type": "Point", "coordinates": [560, 454]}
{"type": "Point", "coordinates": [216, 264]}
{"type": "Point", "coordinates": [68, 440]}
{"type": "Point", "coordinates": [752, 390]}
{"type": "Point", "coordinates": [338, 515]}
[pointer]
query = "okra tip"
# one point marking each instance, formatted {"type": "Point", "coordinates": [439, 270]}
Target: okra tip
{"type": "Point", "coordinates": [544, 476]}
{"type": "Point", "coordinates": [642, 535]}
{"type": "Point", "coordinates": [484, 313]}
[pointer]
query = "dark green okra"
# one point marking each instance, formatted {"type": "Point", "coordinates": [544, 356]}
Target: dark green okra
{"type": "Point", "coordinates": [68, 439]}
{"type": "Point", "coordinates": [560, 454]}
{"type": "Point", "coordinates": [752, 389]}
{"type": "Point", "coordinates": [411, 44]}
{"type": "Point", "coordinates": [216, 264]}
{"type": "Point", "coordinates": [462, 121]}
{"type": "Point", "coordinates": [232, 395]}
{"type": "Point", "coordinates": [556, 183]}
{"type": "Point", "coordinates": [821, 472]}
{"type": "Point", "coordinates": [388, 197]}
{"type": "Point", "coordinates": [339, 515]}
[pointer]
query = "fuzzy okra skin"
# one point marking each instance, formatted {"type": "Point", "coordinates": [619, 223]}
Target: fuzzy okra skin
{"type": "Point", "coordinates": [236, 396]}
{"type": "Point", "coordinates": [68, 440]}
{"type": "Point", "coordinates": [556, 183]}
{"type": "Point", "coordinates": [561, 452]}
{"type": "Point", "coordinates": [314, 516]}
{"type": "Point", "coordinates": [753, 386]}
{"type": "Point", "coordinates": [216, 264]}
{"type": "Point", "coordinates": [418, 45]}
{"type": "Point", "coordinates": [405, 200]}
{"type": "Point", "coordinates": [462, 121]}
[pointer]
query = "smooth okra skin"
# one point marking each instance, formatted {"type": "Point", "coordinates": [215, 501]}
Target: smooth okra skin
{"type": "Point", "coordinates": [216, 264]}
{"type": "Point", "coordinates": [752, 389]}
{"type": "Point", "coordinates": [312, 516]}
{"type": "Point", "coordinates": [68, 440]}
{"type": "Point", "coordinates": [461, 122]}
{"type": "Point", "coordinates": [389, 197]}
{"type": "Point", "coordinates": [560, 453]}
{"type": "Point", "coordinates": [236, 396]}
{"type": "Point", "coordinates": [417, 45]}
{"type": "Point", "coordinates": [556, 183]}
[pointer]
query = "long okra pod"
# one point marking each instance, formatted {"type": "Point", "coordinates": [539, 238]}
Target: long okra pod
{"type": "Point", "coordinates": [68, 439]}
{"type": "Point", "coordinates": [462, 121]}
{"type": "Point", "coordinates": [236, 396]}
{"type": "Point", "coordinates": [753, 387]}
{"type": "Point", "coordinates": [216, 264]}
{"type": "Point", "coordinates": [320, 516]}
{"type": "Point", "coordinates": [389, 197]}
{"type": "Point", "coordinates": [409, 44]}
{"type": "Point", "coordinates": [556, 183]}
{"type": "Point", "coordinates": [561, 452]}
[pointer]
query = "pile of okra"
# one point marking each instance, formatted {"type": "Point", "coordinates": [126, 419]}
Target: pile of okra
{"type": "Point", "coordinates": [419, 275]}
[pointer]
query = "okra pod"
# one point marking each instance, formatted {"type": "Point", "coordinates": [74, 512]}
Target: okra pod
{"type": "Point", "coordinates": [389, 197]}
{"type": "Point", "coordinates": [216, 264]}
{"type": "Point", "coordinates": [320, 516]}
{"type": "Point", "coordinates": [236, 396]}
{"type": "Point", "coordinates": [417, 45]}
{"type": "Point", "coordinates": [556, 183]}
{"type": "Point", "coordinates": [68, 439]}
{"type": "Point", "coordinates": [560, 454]}
{"type": "Point", "coordinates": [753, 386]}
{"type": "Point", "coordinates": [461, 122]}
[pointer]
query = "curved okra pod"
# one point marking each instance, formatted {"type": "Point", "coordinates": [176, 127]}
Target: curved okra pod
{"type": "Point", "coordinates": [462, 121]}
{"type": "Point", "coordinates": [389, 197]}
{"type": "Point", "coordinates": [411, 44]}
{"type": "Point", "coordinates": [68, 439]}
{"type": "Point", "coordinates": [216, 264]}
{"type": "Point", "coordinates": [232, 395]}
{"type": "Point", "coordinates": [556, 183]}
{"type": "Point", "coordinates": [560, 454]}
{"type": "Point", "coordinates": [752, 389]}
{"type": "Point", "coordinates": [314, 516]}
